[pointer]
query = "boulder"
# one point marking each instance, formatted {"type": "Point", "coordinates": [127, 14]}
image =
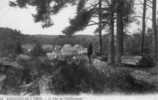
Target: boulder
{"type": "Point", "coordinates": [2, 78]}
{"type": "Point", "coordinates": [145, 77]}
{"type": "Point", "coordinates": [44, 86]}
{"type": "Point", "coordinates": [141, 76]}
{"type": "Point", "coordinates": [8, 63]}
{"type": "Point", "coordinates": [47, 47]}
{"type": "Point", "coordinates": [68, 50]}
{"type": "Point", "coordinates": [83, 51]}
{"type": "Point", "coordinates": [77, 47]}
{"type": "Point", "coordinates": [131, 60]}
{"type": "Point", "coordinates": [57, 47]}
{"type": "Point", "coordinates": [52, 55]}
{"type": "Point", "coordinates": [99, 65]}
{"type": "Point", "coordinates": [23, 57]}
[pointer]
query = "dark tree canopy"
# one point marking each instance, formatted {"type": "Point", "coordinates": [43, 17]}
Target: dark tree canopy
{"type": "Point", "coordinates": [84, 13]}
{"type": "Point", "coordinates": [44, 8]}
{"type": "Point", "coordinates": [80, 21]}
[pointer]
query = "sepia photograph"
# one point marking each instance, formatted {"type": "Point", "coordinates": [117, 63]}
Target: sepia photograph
{"type": "Point", "coordinates": [79, 48]}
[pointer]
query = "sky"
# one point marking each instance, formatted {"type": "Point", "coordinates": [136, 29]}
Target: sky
{"type": "Point", "coordinates": [21, 19]}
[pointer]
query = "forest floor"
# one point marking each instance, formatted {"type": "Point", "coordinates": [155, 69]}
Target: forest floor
{"type": "Point", "coordinates": [146, 75]}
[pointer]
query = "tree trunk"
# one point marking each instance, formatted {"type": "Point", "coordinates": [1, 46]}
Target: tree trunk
{"type": "Point", "coordinates": [119, 37]}
{"type": "Point", "coordinates": [100, 27]}
{"type": "Point", "coordinates": [143, 28]}
{"type": "Point", "coordinates": [155, 48]}
{"type": "Point", "coordinates": [111, 58]}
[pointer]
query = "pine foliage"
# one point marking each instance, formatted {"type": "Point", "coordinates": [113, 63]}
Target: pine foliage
{"type": "Point", "coordinates": [80, 21]}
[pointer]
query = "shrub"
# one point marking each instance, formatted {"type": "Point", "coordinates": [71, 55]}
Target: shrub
{"type": "Point", "coordinates": [18, 48]}
{"type": "Point", "coordinates": [37, 50]}
{"type": "Point", "coordinates": [83, 77]}
{"type": "Point", "coordinates": [147, 61]}
{"type": "Point", "coordinates": [75, 78]}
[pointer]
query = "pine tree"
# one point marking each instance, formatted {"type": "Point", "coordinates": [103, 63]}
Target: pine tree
{"type": "Point", "coordinates": [154, 27]}
{"type": "Point", "coordinates": [143, 26]}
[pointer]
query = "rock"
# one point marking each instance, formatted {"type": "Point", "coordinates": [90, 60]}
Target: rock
{"type": "Point", "coordinates": [23, 57]}
{"type": "Point", "coordinates": [145, 77]}
{"type": "Point", "coordinates": [68, 50]}
{"type": "Point", "coordinates": [27, 47]}
{"type": "Point", "coordinates": [12, 64]}
{"type": "Point", "coordinates": [80, 50]}
{"type": "Point", "coordinates": [47, 47]}
{"type": "Point", "coordinates": [139, 75]}
{"type": "Point", "coordinates": [83, 51]}
{"type": "Point", "coordinates": [52, 55]}
{"type": "Point", "coordinates": [2, 78]}
{"type": "Point", "coordinates": [44, 85]}
{"type": "Point", "coordinates": [99, 64]}
{"type": "Point", "coordinates": [131, 60]}
{"type": "Point", "coordinates": [77, 47]}
{"type": "Point", "coordinates": [57, 47]}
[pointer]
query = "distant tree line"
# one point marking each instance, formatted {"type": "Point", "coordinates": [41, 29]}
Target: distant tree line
{"type": "Point", "coordinates": [11, 41]}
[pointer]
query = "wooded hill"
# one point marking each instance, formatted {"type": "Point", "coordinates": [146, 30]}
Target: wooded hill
{"type": "Point", "coordinates": [9, 37]}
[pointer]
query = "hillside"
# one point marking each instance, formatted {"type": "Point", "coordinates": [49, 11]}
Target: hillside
{"type": "Point", "coordinates": [9, 41]}
{"type": "Point", "coordinates": [83, 40]}
{"type": "Point", "coordinates": [10, 36]}
{"type": "Point", "coordinates": [58, 39]}
{"type": "Point", "coordinates": [131, 46]}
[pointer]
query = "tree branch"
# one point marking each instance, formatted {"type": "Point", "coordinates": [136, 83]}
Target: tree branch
{"type": "Point", "coordinates": [145, 17]}
{"type": "Point", "coordinates": [96, 23]}
{"type": "Point", "coordinates": [142, 4]}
